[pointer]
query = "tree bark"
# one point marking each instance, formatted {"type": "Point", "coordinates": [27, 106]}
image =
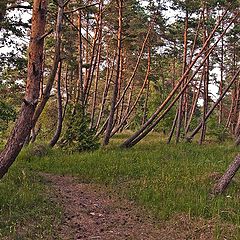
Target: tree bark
{"type": "Point", "coordinates": [60, 109]}
{"type": "Point", "coordinates": [48, 88]}
{"type": "Point", "coordinates": [23, 123]}
{"type": "Point", "coordinates": [181, 100]}
{"type": "Point", "coordinates": [115, 90]}
{"type": "Point", "coordinates": [224, 181]}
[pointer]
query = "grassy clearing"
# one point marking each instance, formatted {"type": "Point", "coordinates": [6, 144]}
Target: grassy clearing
{"type": "Point", "coordinates": [26, 212]}
{"type": "Point", "coordinates": [166, 179]}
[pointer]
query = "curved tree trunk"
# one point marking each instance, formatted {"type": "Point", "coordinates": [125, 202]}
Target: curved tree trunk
{"type": "Point", "coordinates": [23, 123]}
{"type": "Point", "coordinates": [214, 105]}
{"type": "Point", "coordinates": [150, 124]}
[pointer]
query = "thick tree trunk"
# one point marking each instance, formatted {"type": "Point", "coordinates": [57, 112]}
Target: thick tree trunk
{"type": "Point", "coordinates": [23, 123]}
{"type": "Point", "coordinates": [224, 181]}
{"type": "Point", "coordinates": [48, 88]}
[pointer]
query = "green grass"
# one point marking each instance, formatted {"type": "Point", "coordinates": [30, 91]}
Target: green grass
{"type": "Point", "coordinates": [26, 212]}
{"type": "Point", "coordinates": [166, 179]}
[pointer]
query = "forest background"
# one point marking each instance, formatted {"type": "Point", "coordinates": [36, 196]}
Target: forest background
{"type": "Point", "coordinates": [94, 69]}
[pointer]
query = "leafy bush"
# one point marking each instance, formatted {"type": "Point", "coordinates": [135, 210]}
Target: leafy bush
{"type": "Point", "coordinates": [218, 131]}
{"type": "Point", "coordinates": [78, 137]}
{"type": "Point", "coordinates": [7, 113]}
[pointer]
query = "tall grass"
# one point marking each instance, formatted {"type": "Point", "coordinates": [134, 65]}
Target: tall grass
{"type": "Point", "coordinates": [166, 179]}
{"type": "Point", "coordinates": [26, 211]}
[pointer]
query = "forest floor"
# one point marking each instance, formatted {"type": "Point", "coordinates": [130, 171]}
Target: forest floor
{"type": "Point", "coordinates": [91, 211]}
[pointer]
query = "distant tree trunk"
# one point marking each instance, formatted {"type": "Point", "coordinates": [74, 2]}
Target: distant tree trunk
{"type": "Point", "coordinates": [173, 127]}
{"type": "Point", "coordinates": [237, 130]}
{"type": "Point", "coordinates": [130, 80]}
{"type": "Point", "coordinates": [224, 181]}
{"type": "Point", "coordinates": [194, 105]}
{"type": "Point", "coordinates": [205, 84]}
{"type": "Point", "coordinates": [105, 93]}
{"type": "Point", "coordinates": [136, 67]}
{"type": "Point", "coordinates": [23, 123]}
{"type": "Point", "coordinates": [60, 108]}
{"type": "Point", "coordinates": [92, 64]}
{"type": "Point", "coordinates": [214, 105]}
{"type": "Point", "coordinates": [220, 114]}
{"type": "Point", "coordinates": [129, 109]}
{"type": "Point", "coordinates": [80, 92]}
{"type": "Point", "coordinates": [115, 90]}
{"type": "Point", "coordinates": [151, 123]}
{"type": "Point", "coordinates": [181, 100]}
{"type": "Point", "coordinates": [98, 61]}
{"type": "Point", "coordinates": [145, 107]}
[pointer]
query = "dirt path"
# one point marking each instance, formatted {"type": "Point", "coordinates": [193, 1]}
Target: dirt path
{"type": "Point", "coordinates": [91, 213]}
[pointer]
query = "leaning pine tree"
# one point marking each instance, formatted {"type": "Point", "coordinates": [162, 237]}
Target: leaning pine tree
{"type": "Point", "coordinates": [35, 59]}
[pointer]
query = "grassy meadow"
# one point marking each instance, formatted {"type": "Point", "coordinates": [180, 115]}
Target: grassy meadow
{"type": "Point", "coordinates": [165, 179]}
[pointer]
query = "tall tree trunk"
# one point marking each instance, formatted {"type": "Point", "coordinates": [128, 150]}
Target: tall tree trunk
{"type": "Point", "coordinates": [181, 100]}
{"type": "Point", "coordinates": [105, 94]}
{"type": "Point", "coordinates": [129, 109]}
{"type": "Point", "coordinates": [48, 88]}
{"type": "Point", "coordinates": [60, 108]}
{"type": "Point", "coordinates": [130, 80]}
{"type": "Point", "coordinates": [98, 61]}
{"type": "Point", "coordinates": [115, 90]}
{"type": "Point", "coordinates": [23, 123]}
{"type": "Point", "coordinates": [205, 84]}
{"type": "Point", "coordinates": [220, 114]}
{"type": "Point", "coordinates": [80, 93]}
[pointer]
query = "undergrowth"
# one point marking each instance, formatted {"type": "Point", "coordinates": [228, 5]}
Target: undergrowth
{"type": "Point", "coordinates": [166, 179]}
{"type": "Point", "coordinates": [26, 211]}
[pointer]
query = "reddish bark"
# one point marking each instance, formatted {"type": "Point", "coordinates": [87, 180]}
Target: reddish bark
{"type": "Point", "coordinates": [150, 124]}
{"type": "Point", "coordinates": [224, 181]}
{"type": "Point", "coordinates": [23, 123]}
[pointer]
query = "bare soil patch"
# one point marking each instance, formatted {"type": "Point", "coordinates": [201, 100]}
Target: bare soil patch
{"type": "Point", "coordinates": [90, 211]}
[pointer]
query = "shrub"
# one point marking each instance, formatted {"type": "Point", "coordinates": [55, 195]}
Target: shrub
{"type": "Point", "coordinates": [78, 137]}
